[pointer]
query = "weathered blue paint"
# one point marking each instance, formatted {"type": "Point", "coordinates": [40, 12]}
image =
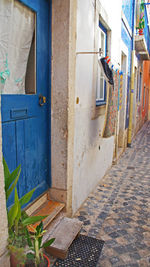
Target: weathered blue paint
{"type": "Point", "coordinates": [128, 42]}
{"type": "Point", "coordinates": [127, 10]}
{"type": "Point", "coordinates": [127, 102]}
{"type": "Point", "coordinates": [103, 102]}
{"type": "Point", "coordinates": [133, 20]}
{"type": "Point", "coordinates": [25, 124]}
{"type": "Point", "coordinates": [49, 95]}
{"type": "Point", "coordinates": [146, 31]}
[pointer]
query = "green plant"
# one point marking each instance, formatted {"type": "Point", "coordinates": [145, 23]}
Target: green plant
{"type": "Point", "coordinates": [10, 179]}
{"type": "Point", "coordinates": [35, 244]}
{"type": "Point", "coordinates": [142, 18]}
{"type": "Point", "coordinates": [15, 214]}
{"type": "Point", "coordinates": [18, 220]}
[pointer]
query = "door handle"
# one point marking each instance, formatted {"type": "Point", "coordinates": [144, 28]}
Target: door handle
{"type": "Point", "coordinates": [42, 100]}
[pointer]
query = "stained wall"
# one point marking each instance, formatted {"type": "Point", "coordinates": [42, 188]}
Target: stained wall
{"type": "Point", "coordinates": [92, 153]}
{"type": "Point", "coordinates": [63, 99]}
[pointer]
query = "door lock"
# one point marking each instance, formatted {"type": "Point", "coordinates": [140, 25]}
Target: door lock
{"type": "Point", "coordinates": [42, 100]}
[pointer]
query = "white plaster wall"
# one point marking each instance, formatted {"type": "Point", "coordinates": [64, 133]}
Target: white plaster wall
{"type": "Point", "coordinates": [92, 153]}
{"type": "Point", "coordinates": [113, 9]}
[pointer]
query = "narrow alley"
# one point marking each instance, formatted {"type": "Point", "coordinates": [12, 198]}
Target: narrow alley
{"type": "Point", "coordinates": [75, 133]}
{"type": "Point", "coordinates": [118, 211]}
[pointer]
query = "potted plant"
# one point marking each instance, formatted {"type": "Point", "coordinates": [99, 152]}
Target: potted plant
{"type": "Point", "coordinates": [142, 19]}
{"type": "Point", "coordinates": [36, 257]}
{"type": "Point", "coordinates": [18, 220]}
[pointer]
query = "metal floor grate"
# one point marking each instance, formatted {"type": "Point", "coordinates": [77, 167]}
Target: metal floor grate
{"type": "Point", "coordinates": [84, 251]}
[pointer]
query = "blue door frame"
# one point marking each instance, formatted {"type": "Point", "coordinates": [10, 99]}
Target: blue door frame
{"type": "Point", "coordinates": [25, 124]}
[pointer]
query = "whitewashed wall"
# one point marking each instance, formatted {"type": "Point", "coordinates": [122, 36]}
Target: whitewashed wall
{"type": "Point", "coordinates": [92, 153]}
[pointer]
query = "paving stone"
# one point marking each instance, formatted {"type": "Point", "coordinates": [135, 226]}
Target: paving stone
{"type": "Point", "coordinates": [114, 260]}
{"type": "Point", "coordinates": [87, 222]}
{"type": "Point", "coordinates": [130, 248]}
{"type": "Point", "coordinates": [82, 213]}
{"type": "Point", "coordinates": [141, 222]}
{"type": "Point", "coordinates": [114, 235]}
{"type": "Point", "coordinates": [111, 243]}
{"type": "Point", "coordinates": [130, 265]}
{"type": "Point", "coordinates": [121, 241]}
{"type": "Point", "coordinates": [122, 232]}
{"type": "Point", "coordinates": [135, 256]}
{"type": "Point", "coordinates": [118, 211]}
{"type": "Point", "coordinates": [120, 249]}
{"type": "Point", "coordinates": [81, 218]}
{"type": "Point", "coordinates": [144, 263]}
{"type": "Point", "coordinates": [103, 215]}
{"type": "Point", "coordinates": [140, 245]}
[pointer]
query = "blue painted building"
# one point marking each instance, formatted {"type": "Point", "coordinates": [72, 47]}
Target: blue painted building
{"type": "Point", "coordinates": [134, 12]}
{"type": "Point", "coordinates": [126, 35]}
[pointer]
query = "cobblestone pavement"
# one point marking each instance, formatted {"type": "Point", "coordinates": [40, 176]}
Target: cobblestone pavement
{"type": "Point", "coordinates": [118, 211]}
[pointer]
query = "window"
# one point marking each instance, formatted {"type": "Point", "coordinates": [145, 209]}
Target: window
{"type": "Point", "coordinates": [101, 83]}
{"type": "Point", "coordinates": [17, 48]}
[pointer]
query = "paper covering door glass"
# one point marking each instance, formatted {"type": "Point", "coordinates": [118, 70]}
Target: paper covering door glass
{"type": "Point", "coordinates": [17, 48]}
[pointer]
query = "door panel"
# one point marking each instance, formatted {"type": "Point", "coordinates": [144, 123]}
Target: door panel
{"type": "Point", "coordinates": [24, 122]}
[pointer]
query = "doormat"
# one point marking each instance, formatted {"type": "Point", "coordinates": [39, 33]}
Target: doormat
{"type": "Point", "coordinates": [84, 251]}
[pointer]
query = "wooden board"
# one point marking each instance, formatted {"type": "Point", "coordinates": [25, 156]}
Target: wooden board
{"type": "Point", "coordinates": [50, 208]}
{"type": "Point", "coordinates": [36, 204]}
{"type": "Point", "coordinates": [64, 233]}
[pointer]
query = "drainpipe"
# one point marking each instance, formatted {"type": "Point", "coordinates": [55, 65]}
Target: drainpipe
{"type": "Point", "coordinates": [132, 79]}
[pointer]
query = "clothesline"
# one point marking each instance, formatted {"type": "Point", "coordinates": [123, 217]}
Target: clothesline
{"type": "Point", "coordinates": [99, 52]}
{"type": "Point", "coordinates": [110, 63]}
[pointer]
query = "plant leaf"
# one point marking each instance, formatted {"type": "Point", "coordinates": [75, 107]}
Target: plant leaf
{"type": "Point", "coordinates": [39, 228]}
{"type": "Point", "coordinates": [26, 198]}
{"type": "Point", "coordinates": [30, 256]}
{"type": "Point", "coordinates": [18, 204]}
{"type": "Point", "coordinates": [11, 178]}
{"type": "Point", "coordinates": [33, 219]}
{"type": "Point", "coordinates": [24, 215]}
{"type": "Point", "coordinates": [6, 171]}
{"type": "Point", "coordinates": [8, 192]}
{"type": "Point", "coordinates": [28, 239]}
{"type": "Point", "coordinates": [40, 241]}
{"type": "Point", "coordinates": [48, 243]}
{"type": "Point", "coordinates": [12, 215]}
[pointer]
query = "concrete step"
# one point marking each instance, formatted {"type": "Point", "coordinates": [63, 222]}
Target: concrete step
{"type": "Point", "coordinates": [64, 231]}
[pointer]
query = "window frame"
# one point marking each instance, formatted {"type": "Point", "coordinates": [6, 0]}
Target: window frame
{"type": "Point", "coordinates": [101, 102]}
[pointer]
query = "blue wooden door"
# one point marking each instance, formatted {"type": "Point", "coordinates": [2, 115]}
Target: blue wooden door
{"type": "Point", "coordinates": [25, 123]}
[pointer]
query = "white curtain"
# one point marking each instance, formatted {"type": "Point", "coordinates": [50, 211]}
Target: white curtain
{"type": "Point", "coordinates": [17, 23]}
